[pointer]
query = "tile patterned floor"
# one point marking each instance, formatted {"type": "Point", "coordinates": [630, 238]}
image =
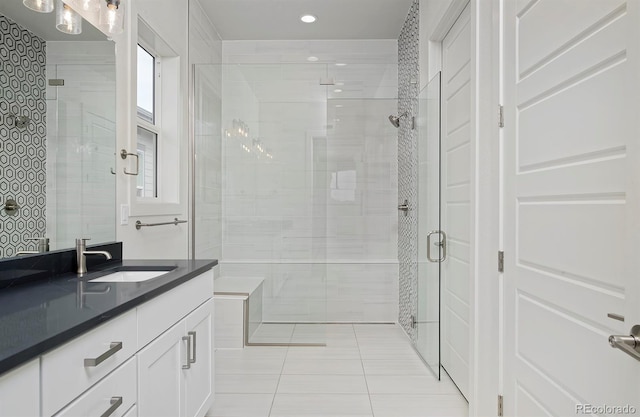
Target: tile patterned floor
{"type": "Point", "coordinates": [365, 370]}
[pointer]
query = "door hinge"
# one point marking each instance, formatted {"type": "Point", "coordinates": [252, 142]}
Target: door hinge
{"type": "Point", "coordinates": [500, 406]}
{"type": "Point", "coordinates": [500, 261]}
{"type": "Point", "coordinates": [413, 322]}
{"type": "Point", "coordinates": [500, 115]}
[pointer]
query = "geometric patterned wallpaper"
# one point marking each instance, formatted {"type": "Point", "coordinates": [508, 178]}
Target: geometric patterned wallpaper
{"type": "Point", "coordinates": [22, 150]}
{"type": "Point", "coordinates": [408, 89]}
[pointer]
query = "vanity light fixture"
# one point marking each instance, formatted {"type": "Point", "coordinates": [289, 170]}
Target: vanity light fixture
{"type": "Point", "coordinates": [67, 20]}
{"type": "Point", "coordinates": [308, 18]}
{"type": "Point", "coordinates": [42, 6]}
{"type": "Point", "coordinates": [112, 17]}
{"type": "Point", "coordinates": [89, 5]}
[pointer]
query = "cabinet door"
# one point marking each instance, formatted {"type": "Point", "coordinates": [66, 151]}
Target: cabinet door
{"type": "Point", "coordinates": [20, 391]}
{"type": "Point", "coordinates": [161, 387]}
{"type": "Point", "coordinates": [199, 377]}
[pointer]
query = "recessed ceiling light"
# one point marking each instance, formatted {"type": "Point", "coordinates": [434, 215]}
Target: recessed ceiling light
{"type": "Point", "coordinates": [339, 105]}
{"type": "Point", "coordinates": [337, 90]}
{"type": "Point", "coordinates": [308, 18]}
{"type": "Point", "coordinates": [340, 64]}
{"type": "Point", "coordinates": [312, 59]}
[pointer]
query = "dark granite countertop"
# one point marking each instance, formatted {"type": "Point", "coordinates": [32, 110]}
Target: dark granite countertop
{"type": "Point", "coordinates": [41, 315]}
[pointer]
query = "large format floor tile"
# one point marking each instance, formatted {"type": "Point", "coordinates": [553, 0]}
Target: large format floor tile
{"type": "Point", "coordinates": [321, 405]}
{"type": "Point", "coordinates": [418, 405]}
{"type": "Point", "coordinates": [242, 405]}
{"type": "Point", "coordinates": [322, 384]}
{"type": "Point", "coordinates": [246, 383]}
{"type": "Point", "coordinates": [367, 370]}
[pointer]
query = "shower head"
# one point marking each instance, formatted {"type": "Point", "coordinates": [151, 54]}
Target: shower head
{"type": "Point", "coordinates": [395, 120]}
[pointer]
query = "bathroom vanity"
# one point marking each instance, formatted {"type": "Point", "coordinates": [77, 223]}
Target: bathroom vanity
{"type": "Point", "coordinates": [129, 338]}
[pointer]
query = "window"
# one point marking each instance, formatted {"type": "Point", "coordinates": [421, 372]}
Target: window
{"type": "Point", "coordinates": [148, 124]}
{"type": "Point", "coordinates": [159, 126]}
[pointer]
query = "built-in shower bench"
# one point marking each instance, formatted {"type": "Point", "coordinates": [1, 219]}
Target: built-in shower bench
{"type": "Point", "coordinates": [238, 310]}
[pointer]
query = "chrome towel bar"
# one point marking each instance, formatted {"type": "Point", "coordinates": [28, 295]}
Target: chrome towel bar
{"type": "Point", "coordinates": [175, 222]}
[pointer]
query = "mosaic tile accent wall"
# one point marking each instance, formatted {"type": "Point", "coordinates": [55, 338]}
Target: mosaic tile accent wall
{"type": "Point", "coordinates": [22, 150]}
{"type": "Point", "coordinates": [408, 90]}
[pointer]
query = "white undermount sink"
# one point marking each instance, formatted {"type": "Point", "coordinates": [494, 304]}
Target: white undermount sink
{"type": "Point", "coordinates": [129, 276]}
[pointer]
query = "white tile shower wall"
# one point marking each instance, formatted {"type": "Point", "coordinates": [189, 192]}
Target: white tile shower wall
{"type": "Point", "coordinates": [318, 220]}
{"type": "Point", "coordinates": [81, 142]}
{"type": "Point", "coordinates": [22, 150]}
{"type": "Point", "coordinates": [408, 89]}
{"type": "Point", "coordinates": [205, 50]}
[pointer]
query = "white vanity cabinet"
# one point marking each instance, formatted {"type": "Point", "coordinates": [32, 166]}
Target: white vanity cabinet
{"type": "Point", "coordinates": [175, 368]}
{"type": "Point", "coordinates": [175, 373]}
{"type": "Point", "coordinates": [154, 360]}
{"type": "Point", "coordinates": [20, 391]}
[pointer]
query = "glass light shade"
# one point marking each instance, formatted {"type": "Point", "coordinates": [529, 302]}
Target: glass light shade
{"type": "Point", "coordinates": [112, 17]}
{"type": "Point", "coordinates": [88, 5]}
{"type": "Point", "coordinates": [67, 21]}
{"type": "Point", "coordinates": [42, 6]}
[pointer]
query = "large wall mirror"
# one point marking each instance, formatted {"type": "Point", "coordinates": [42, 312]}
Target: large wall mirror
{"type": "Point", "coordinates": [57, 133]}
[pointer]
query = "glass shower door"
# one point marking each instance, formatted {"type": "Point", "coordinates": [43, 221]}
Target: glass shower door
{"type": "Point", "coordinates": [430, 248]}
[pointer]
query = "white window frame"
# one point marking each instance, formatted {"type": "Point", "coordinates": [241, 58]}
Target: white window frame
{"type": "Point", "coordinates": [167, 126]}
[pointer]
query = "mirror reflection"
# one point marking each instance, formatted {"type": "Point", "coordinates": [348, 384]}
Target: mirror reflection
{"type": "Point", "coordinates": [57, 131]}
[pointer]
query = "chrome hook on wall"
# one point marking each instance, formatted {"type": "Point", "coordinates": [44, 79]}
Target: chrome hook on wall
{"type": "Point", "coordinates": [10, 207]}
{"type": "Point", "coordinates": [20, 122]}
{"type": "Point", "coordinates": [124, 154]}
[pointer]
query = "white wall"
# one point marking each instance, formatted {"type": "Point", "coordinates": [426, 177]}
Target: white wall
{"type": "Point", "coordinates": [328, 249]}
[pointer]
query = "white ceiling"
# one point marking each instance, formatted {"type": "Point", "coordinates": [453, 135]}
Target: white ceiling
{"type": "Point", "coordinates": [44, 24]}
{"type": "Point", "coordinates": [280, 19]}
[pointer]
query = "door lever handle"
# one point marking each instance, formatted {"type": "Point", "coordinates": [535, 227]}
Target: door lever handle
{"type": "Point", "coordinates": [628, 344]}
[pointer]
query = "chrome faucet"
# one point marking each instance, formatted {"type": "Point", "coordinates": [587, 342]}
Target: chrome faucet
{"type": "Point", "coordinates": [43, 246]}
{"type": "Point", "coordinates": [81, 252]}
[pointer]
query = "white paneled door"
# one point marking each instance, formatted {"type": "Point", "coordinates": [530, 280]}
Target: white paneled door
{"type": "Point", "coordinates": [572, 205]}
{"type": "Point", "coordinates": [456, 200]}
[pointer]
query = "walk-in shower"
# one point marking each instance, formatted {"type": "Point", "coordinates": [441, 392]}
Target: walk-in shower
{"type": "Point", "coordinates": [307, 174]}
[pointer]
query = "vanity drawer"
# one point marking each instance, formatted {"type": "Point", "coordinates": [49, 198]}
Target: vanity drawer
{"type": "Point", "coordinates": [114, 395]}
{"type": "Point", "coordinates": [72, 368]}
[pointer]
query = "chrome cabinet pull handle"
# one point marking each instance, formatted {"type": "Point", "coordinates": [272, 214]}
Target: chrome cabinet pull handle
{"type": "Point", "coordinates": [113, 348]}
{"type": "Point", "coordinates": [195, 347]}
{"type": "Point", "coordinates": [188, 364]}
{"type": "Point", "coordinates": [115, 403]}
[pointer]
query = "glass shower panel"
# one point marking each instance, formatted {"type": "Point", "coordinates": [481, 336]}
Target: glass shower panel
{"type": "Point", "coordinates": [274, 141]}
{"type": "Point", "coordinates": [81, 154]}
{"type": "Point", "coordinates": [207, 143]}
{"type": "Point", "coordinates": [428, 207]}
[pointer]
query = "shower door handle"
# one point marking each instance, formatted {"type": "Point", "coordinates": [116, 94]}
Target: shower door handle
{"type": "Point", "coordinates": [441, 244]}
